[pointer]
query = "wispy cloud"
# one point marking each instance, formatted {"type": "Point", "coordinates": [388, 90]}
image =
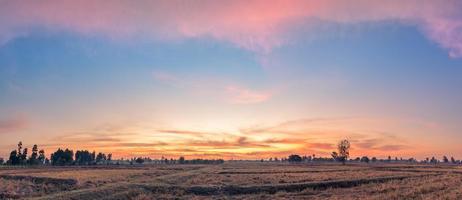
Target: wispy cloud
{"type": "Point", "coordinates": [229, 92]}
{"type": "Point", "coordinates": [255, 25]}
{"type": "Point", "coordinates": [13, 124]}
{"type": "Point", "coordinates": [240, 95]}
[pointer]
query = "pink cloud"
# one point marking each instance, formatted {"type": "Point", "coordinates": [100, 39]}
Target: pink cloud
{"type": "Point", "coordinates": [229, 92]}
{"type": "Point", "coordinates": [254, 25]}
{"type": "Point", "coordinates": [13, 124]}
{"type": "Point", "coordinates": [240, 95]}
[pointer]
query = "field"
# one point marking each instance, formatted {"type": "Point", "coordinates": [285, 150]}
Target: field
{"type": "Point", "coordinates": [235, 180]}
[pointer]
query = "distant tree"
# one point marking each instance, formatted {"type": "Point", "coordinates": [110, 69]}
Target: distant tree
{"type": "Point", "coordinates": [23, 157]}
{"type": "Point", "coordinates": [83, 157]}
{"type": "Point", "coordinates": [343, 148]}
{"type": "Point", "coordinates": [14, 158]}
{"type": "Point", "coordinates": [139, 160]}
{"type": "Point", "coordinates": [61, 157]}
{"type": "Point", "coordinates": [445, 159]}
{"type": "Point", "coordinates": [365, 159]}
{"type": "Point", "coordinates": [101, 157]}
{"type": "Point", "coordinates": [433, 160]}
{"type": "Point", "coordinates": [453, 161]}
{"type": "Point", "coordinates": [2, 161]}
{"type": "Point", "coordinates": [181, 160]}
{"type": "Point", "coordinates": [19, 152]}
{"type": "Point", "coordinates": [389, 159]}
{"type": "Point", "coordinates": [42, 156]}
{"type": "Point", "coordinates": [33, 159]}
{"type": "Point", "coordinates": [374, 159]}
{"type": "Point", "coordinates": [295, 158]}
{"type": "Point", "coordinates": [109, 157]}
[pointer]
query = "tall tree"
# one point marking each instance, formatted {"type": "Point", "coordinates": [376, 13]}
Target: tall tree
{"type": "Point", "coordinates": [343, 148]}
{"type": "Point", "coordinates": [33, 160]}
{"type": "Point", "coordinates": [445, 159]}
{"type": "Point", "coordinates": [41, 157]}
{"type": "Point", "coordinates": [24, 156]}
{"type": "Point", "coordinates": [14, 158]}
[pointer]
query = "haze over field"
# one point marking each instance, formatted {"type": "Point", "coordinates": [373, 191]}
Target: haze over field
{"type": "Point", "coordinates": [232, 79]}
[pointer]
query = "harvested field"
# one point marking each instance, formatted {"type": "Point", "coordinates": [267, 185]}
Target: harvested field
{"type": "Point", "coordinates": [235, 180]}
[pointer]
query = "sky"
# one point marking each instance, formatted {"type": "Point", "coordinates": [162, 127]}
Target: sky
{"type": "Point", "coordinates": [232, 79]}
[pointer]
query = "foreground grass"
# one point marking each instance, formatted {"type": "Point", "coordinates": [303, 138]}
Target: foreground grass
{"type": "Point", "coordinates": [235, 181]}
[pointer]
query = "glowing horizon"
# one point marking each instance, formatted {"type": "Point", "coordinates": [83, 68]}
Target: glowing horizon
{"type": "Point", "coordinates": [232, 79]}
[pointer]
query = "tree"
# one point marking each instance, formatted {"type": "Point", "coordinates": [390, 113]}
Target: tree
{"type": "Point", "coordinates": [41, 156]}
{"type": "Point", "coordinates": [14, 159]}
{"type": "Point", "coordinates": [453, 161]}
{"type": "Point", "coordinates": [93, 156]}
{"type": "Point", "coordinates": [374, 159]}
{"type": "Point", "coordinates": [61, 157]}
{"type": "Point", "coordinates": [23, 158]}
{"type": "Point", "coordinates": [365, 159]}
{"type": "Point", "coordinates": [109, 157]}
{"type": "Point", "coordinates": [101, 157]}
{"type": "Point", "coordinates": [343, 148]}
{"type": "Point", "coordinates": [83, 157]}
{"type": "Point", "coordinates": [181, 160]}
{"type": "Point", "coordinates": [295, 158]}
{"type": "Point", "coordinates": [19, 150]}
{"type": "Point", "coordinates": [445, 159]}
{"type": "Point", "coordinates": [2, 161]}
{"type": "Point", "coordinates": [33, 160]}
{"type": "Point", "coordinates": [433, 160]}
{"type": "Point", "coordinates": [139, 160]}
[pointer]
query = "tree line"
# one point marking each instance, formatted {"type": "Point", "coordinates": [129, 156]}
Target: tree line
{"type": "Point", "coordinates": [343, 154]}
{"type": "Point", "coordinates": [59, 157]}
{"type": "Point", "coordinates": [66, 156]}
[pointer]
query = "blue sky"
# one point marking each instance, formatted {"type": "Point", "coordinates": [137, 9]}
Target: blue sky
{"type": "Point", "coordinates": [373, 80]}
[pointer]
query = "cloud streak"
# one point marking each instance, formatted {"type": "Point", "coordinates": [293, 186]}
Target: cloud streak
{"type": "Point", "coordinates": [254, 25]}
{"type": "Point", "coordinates": [13, 124]}
{"type": "Point", "coordinates": [229, 92]}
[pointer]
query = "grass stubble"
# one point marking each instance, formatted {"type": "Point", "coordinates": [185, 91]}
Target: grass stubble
{"type": "Point", "coordinates": [235, 180]}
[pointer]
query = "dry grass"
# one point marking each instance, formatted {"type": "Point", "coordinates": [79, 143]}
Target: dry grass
{"type": "Point", "coordinates": [236, 181]}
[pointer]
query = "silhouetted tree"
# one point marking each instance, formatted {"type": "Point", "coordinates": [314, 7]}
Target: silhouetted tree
{"type": "Point", "coordinates": [2, 161]}
{"type": "Point", "coordinates": [295, 158]}
{"type": "Point", "coordinates": [365, 159]}
{"type": "Point", "coordinates": [33, 160]}
{"type": "Point", "coordinates": [433, 160]}
{"type": "Point", "coordinates": [19, 152]}
{"type": "Point", "coordinates": [83, 157]}
{"type": "Point", "coordinates": [23, 158]}
{"type": "Point", "coordinates": [374, 159]}
{"type": "Point", "coordinates": [101, 157]}
{"type": "Point", "coordinates": [181, 160]}
{"type": "Point", "coordinates": [139, 160]}
{"type": "Point", "coordinates": [453, 161]}
{"type": "Point", "coordinates": [109, 157]}
{"type": "Point", "coordinates": [14, 158]}
{"type": "Point", "coordinates": [61, 157]}
{"type": "Point", "coordinates": [93, 156]}
{"type": "Point", "coordinates": [343, 148]}
{"type": "Point", "coordinates": [42, 156]}
{"type": "Point", "coordinates": [445, 159]}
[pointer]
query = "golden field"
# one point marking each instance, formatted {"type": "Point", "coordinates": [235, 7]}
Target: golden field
{"type": "Point", "coordinates": [235, 180]}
